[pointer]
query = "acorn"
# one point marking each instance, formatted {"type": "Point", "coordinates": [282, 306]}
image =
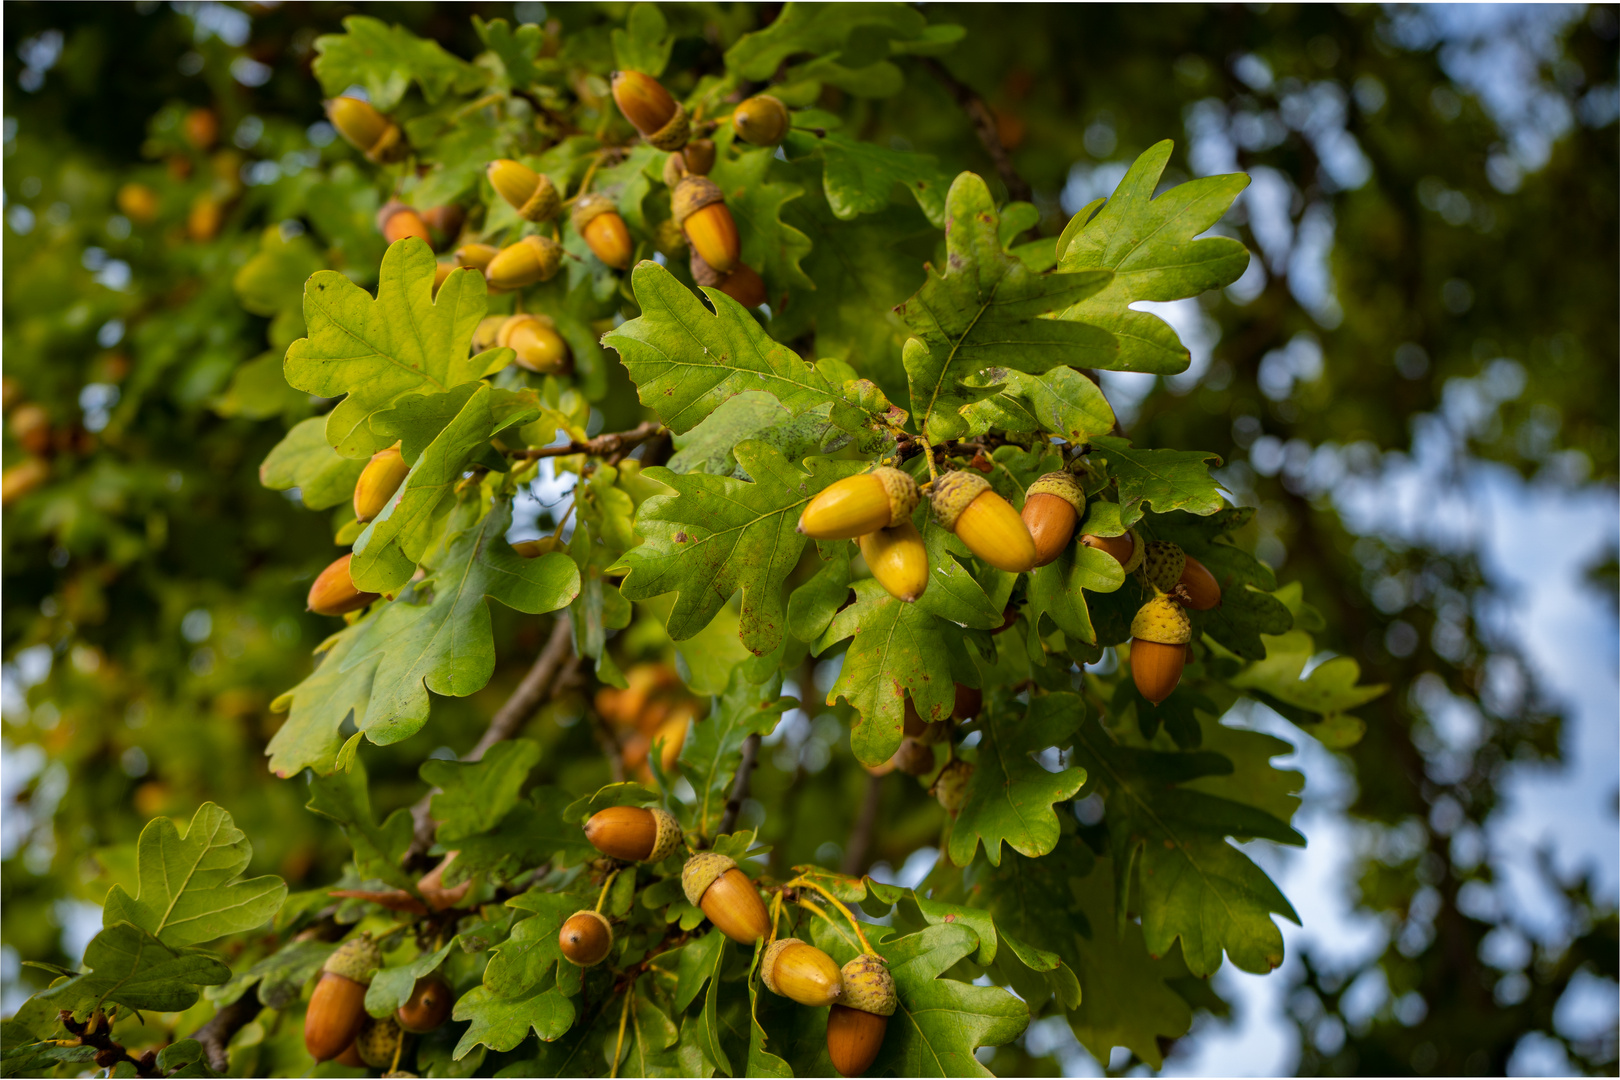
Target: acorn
{"type": "Point", "coordinates": [585, 938]}
{"type": "Point", "coordinates": [712, 882]}
{"type": "Point", "coordinates": [983, 520]}
{"type": "Point", "coordinates": [396, 221]}
{"type": "Point", "coordinates": [924, 731]}
{"type": "Point", "coordinates": [969, 700]}
{"type": "Point", "coordinates": [672, 734]}
{"type": "Point", "coordinates": [742, 284]}
{"type": "Point", "coordinates": [1159, 636]}
{"type": "Point", "coordinates": [855, 1025]}
{"type": "Point", "coordinates": [350, 1058]}
{"type": "Point", "coordinates": [633, 833]}
{"type": "Point", "coordinates": [532, 259]}
{"type": "Point", "coordinates": [535, 340]}
{"type": "Point", "coordinates": [644, 102]}
{"type": "Point", "coordinates": [533, 549]}
{"type": "Point", "coordinates": [381, 477]}
{"type": "Point", "coordinates": [1053, 506]}
{"type": "Point", "coordinates": [857, 505]}
{"type": "Point", "coordinates": [1162, 564]}
{"type": "Point", "coordinates": [898, 560]}
{"type": "Point", "coordinates": [761, 120]}
{"type": "Point", "coordinates": [487, 332]}
{"type": "Point", "coordinates": [30, 425]}
{"type": "Point", "coordinates": [1197, 587]}
{"type": "Point", "coordinates": [445, 221]}
{"type": "Point", "coordinates": [138, 202]}
{"type": "Point", "coordinates": [597, 219]}
{"type": "Point", "coordinates": [698, 157]}
{"type": "Point", "coordinates": [337, 1008]}
{"type": "Point", "coordinates": [700, 210]}
{"type": "Point", "coordinates": [25, 476]}
{"type": "Point", "coordinates": [366, 129]}
{"type": "Point", "coordinates": [950, 786]}
{"type": "Point", "coordinates": [202, 223]}
{"type": "Point", "coordinates": [200, 128]}
{"type": "Point", "coordinates": [1127, 550]}
{"type": "Point", "coordinates": [477, 256]}
{"type": "Point", "coordinates": [915, 757]}
{"type": "Point", "coordinates": [378, 1043]}
{"type": "Point", "coordinates": [531, 194]}
{"type": "Point", "coordinates": [428, 1006]}
{"type": "Point", "coordinates": [674, 169]}
{"type": "Point", "coordinates": [801, 972]}
{"type": "Point", "coordinates": [334, 592]}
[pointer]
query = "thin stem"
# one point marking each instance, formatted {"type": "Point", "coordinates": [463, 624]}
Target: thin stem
{"type": "Point", "coordinates": [601, 446]}
{"type": "Point", "coordinates": [928, 456]}
{"type": "Point", "coordinates": [854, 923]}
{"type": "Point", "coordinates": [776, 916]}
{"type": "Point", "coordinates": [557, 532]}
{"type": "Point", "coordinates": [624, 1016]}
{"type": "Point", "coordinates": [606, 885]}
{"type": "Point", "coordinates": [813, 908]}
{"type": "Point", "coordinates": [739, 789]}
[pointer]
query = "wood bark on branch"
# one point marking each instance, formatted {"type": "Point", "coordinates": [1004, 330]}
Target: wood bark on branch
{"type": "Point", "coordinates": [984, 124]}
{"type": "Point", "coordinates": [739, 787]}
{"type": "Point", "coordinates": [608, 445]}
{"type": "Point", "coordinates": [215, 1036]}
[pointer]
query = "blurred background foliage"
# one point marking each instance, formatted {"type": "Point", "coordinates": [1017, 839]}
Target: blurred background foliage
{"type": "Point", "coordinates": [1435, 285]}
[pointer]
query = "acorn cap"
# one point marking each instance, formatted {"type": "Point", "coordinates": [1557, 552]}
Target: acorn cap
{"type": "Point", "coordinates": [378, 1041]}
{"type": "Point", "coordinates": [952, 494]}
{"type": "Point", "coordinates": [674, 133]}
{"type": "Point", "coordinates": [667, 838]}
{"type": "Point", "coordinates": [692, 194]}
{"type": "Point", "coordinates": [1163, 621]}
{"type": "Point", "coordinates": [902, 492]}
{"type": "Point", "coordinates": [588, 208]}
{"type": "Point", "coordinates": [767, 963]}
{"type": "Point", "coordinates": [700, 872]}
{"type": "Point", "coordinates": [1162, 565]}
{"type": "Point", "coordinates": [868, 986]}
{"type": "Point", "coordinates": [356, 959]}
{"type": "Point", "coordinates": [1138, 551]}
{"type": "Point", "coordinates": [1063, 485]}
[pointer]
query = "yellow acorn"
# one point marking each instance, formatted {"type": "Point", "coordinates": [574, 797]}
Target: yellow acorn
{"type": "Point", "coordinates": [586, 938]}
{"type": "Point", "coordinates": [1162, 564]}
{"type": "Point", "coordinates": [713, 883]}
{"type": "Point", "coordinates": [527, 262]}
{"type": "Point", "coordinates": [857, 505]}
{"type": "Point", "coordinates": [366, 129]}
{"type": "Point", "coordinates": [487, 332]}
{"type": "Point", "coordinates": [633, 833]}
{"type": "Point", "coordinates": [533, 549]}
{"type": "Point", "coordinates": [700, 210]}
{"type": "Point", "coordinates": [761, 120]}
{"type": "Point", "coordinates": [801, 972]}
{"type": "Point", "coordinates": [477, 256]}
{"type": "Point", "coordinates": [644, 102]}
{"type": "Point", "coordinates": [1159, 636]}
{"type": "Point", "coordinates": [535, 340]}
{"type": "Point", "coordinates": [856, 1025]}
{"type": "Point", "coordinates": [202, 223]}
{"type": "Point", "coordinates": [597, 220]}
{"type": "Point", "coordinates": [22, 478]}
{"type": "Point", "coordinates": [983, 520]}
{"type": "Point", "coordinates": [1197, 587]}
{"type": "Point", "coordinates": [138, 202]}
{"type": "Point", "coordinates": [531, 194]}
{"type": "Point", "coordinates": [334, 591]}
{"type": "Point", "coordinates": [378, 481]}
{"type": "Point", "coordinates": [1053, 506]}
{"type": "Point", "coordinates": [396, 221]}
{"type": "Point", "coordinates": [897, 559]}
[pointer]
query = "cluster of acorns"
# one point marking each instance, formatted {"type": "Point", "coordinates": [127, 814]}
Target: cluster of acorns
{"type": "Point", "coordinates": [337, 1026]}
{"type": "Point", "coordinates": [875, 509]}
{"type": "Point", "coordinates": [861, 994]}
{"type": "Point", "coordinates": [654, 709]}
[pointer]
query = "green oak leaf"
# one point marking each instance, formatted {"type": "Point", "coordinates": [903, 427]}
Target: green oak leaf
{"type": "Point", "coordinates": [710, 755]}
{"type": "Point", "coordinates": [1010, 796]}
{"type": "Point", "coordinates": [385, 60]}
{"type": "Point", "coordinates": [318, 706]}
{"type": "Point", "coordinates": [859, 177]}
{"type": "Point", "coordinates": [531, 833]}
{"type": "Point", "coordinates": [710, 446]}
{"type": "Point", "coordinates": [392, 987]}
{"type": "Point", "coordinates": [189, 885]}
{"type": "Point", "coordinates": [1253, 779]}
{"type": "Point", "coordinates": [820, 29]}
{"type": "Point", "coordinates": [516, 47]}
{"type": "Point", "coordinates": [473, 796]}
{"type": "Point", "coordinates": [1169, 844]}
{"type": "Point", "coordinates": [131, 968]}
{"type": "Point", "coordinates": [343, 797]}
{"type": "Point", "coordinates": [770, 245]}
{"type": "Point", "coordinates": [446, 644]}
{"type": "Point", "coordinates": [988, 310]}
{"type": "Point", "coordinates": [502, 1023]}
{"type": "Point", "coordinates": [1164, 479]}
{"type": "Point", "coordinates": [1061, 402]}
{"type": "Point", "coordinates": [375, 351]}
{"type": "Point", "coordinates": [716, 535]}
{"type": "Point", "coordinates": [1055, 590]}
{"type": "Point", "coordinates": [952, 593]}
{"type": "Point", "coordinates": [813, 604]}
{"type": "Point", "coordinates": [645, 42]}
{"type": "Point", "coordinates": [280, 977]}
{"type": "Point", "coordinates": [304, 460]}
{"type": "Point", "coordinates": [1149, 243]}
{"type": "Point", "coordinates": [1331, 688]}
{"type": "Point", "coordinates": [898, 649]}
{"type": "Point", "coordinates": [532, 952]}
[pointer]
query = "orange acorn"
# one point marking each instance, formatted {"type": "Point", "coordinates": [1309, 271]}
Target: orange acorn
{"type": "Point", "coordinates": [644, 102]}
{"type": "Point", "coordinates": [700, 211]}
{"type": "Point", "coordinates": [633, 833]}
{"type": "Point", "coordinates": [428, 1007]}
{"type": "Point", "coordinates": [336, 1009]}
{"type": "Point", "coordinates": [334, 592]}
{"type": "Point", "coordinates": [1198, 587]}
{"type": "Point", "coordinates": [1159, 636]}
{"type": "Point", "coordinates": [713, 883]}
{"type": "Point", "coordinates": [397, 221]}
{"type": "Point", "coordinates": [1053, 506]}
{"type": "Point", "coordinates": [597, 220]}
{"type": "Point", "coordinates": [585, 938]}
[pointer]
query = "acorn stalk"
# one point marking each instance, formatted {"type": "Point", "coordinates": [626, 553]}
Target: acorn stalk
{"type": "Point", "coordinates": [856, 1025]}
{"type": "Point", "coordinates": [1053, 506]}
{"type": "Point", "coordinates": [597, 220]}
{"type": "Point", "coordinates": [334, 591]}
{"type": "Point", "coordinates": [633, 833]}
{"type": "Point", "coordinates": [713, 883]}
{"type": "Point", "coordinates": [857, 505]}
{"type": "Point", "coordinates": [585, 938]}
{"type": "Point", "coordinates": [700, 210]}
{"type": "Point", "coordinates": [983, 520]}
{"type": "Point", "coordinates": [1159, 636]}
{"type": "Point", "coordinates": [801, 972]}
{"type": "Point", "coordinates": [336, 1009]}
{"type": "Point", "coordinates": [898, 560]}
{"type": "Point", "coordinates": [381, 477]}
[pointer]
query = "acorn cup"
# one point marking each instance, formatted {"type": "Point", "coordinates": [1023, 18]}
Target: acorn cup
{"type": "Point", "coordinates": [378, 1043]}
{"type": "Point", "coordinates": [742, 284]}
{"type": "Point", "coordinates": [1053, 506]}
{"type": "Point", "coordinates": [713, 883]}
{"type": "Point", "coordinates": [428, 1007]}
{"type": "Point", "coordinates": [337, 1008]}
{"type": "Point", "coordinates": [983, 520]}
{"type": "Point", "coordinates": [1127, 550]}
{"type": "Point", "coordinates": [366, 129]}
{"type": "Point", "coordinates": [529, 261]}
{"type": "Point", "coordinates": [378, 481]}
{"type": "Point", "coordinates": [855, 1025]}
{"type": "Point", "coordinates": [531, 194]}
{"type": "Point", "coordinates": [538, 346]}
{"type": "Point", "coordinates": [396, 221]}
{"type": "Point", "coordinates": [1159, 636]}
{"type": "Point", "coordinates": [633, 833]}
{"type": "Point", "coordinates": [761, 120]}
{"type": "Point", "coordinates": [801, 972]}
{"type": "Point", "coordinates": [857, 505]}
{"type": "Point", "coordinates": [597, 219]}
{"type": "Point", "coordinates": [898, 560]}
{"type": "Point", "coordinates": [644, 102]}
{"type": "Point", "coordinates": [585, 938]}
{"type": "Point", "coordinates": [1162, 564]}
{"type": "Point", "coordinates": [1197, 587]}
{"type": "Point", "coordinates": [334, 591]}
{"type": "Point", "coordinates": [700, 210]}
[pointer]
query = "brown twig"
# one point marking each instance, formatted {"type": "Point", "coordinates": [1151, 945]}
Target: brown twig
{"type": "Point", "coordinates": [508, 718]}
{"type": "Point", "coordinates": [984, 123]}
{"type": "Point", "coordinates": [95, 1032]}
{"type": "Point", "coordinates": [216, 1034]}
{"type": "Point", "coordinates": [615, 442]}
{"type": "Point", "coordinates": [739, 787]}
{"type": "Point", "coordinates": [860, 837]}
